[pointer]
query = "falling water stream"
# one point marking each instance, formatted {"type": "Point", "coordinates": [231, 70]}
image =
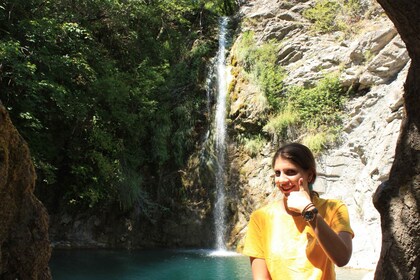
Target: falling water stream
{"type": "Point", "coordinates": [176, 264]}
{"type": "Point", "coordinates": [220, 138]}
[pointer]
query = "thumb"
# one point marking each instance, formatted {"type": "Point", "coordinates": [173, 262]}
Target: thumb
{"type": "Point", "coordinates": [301, 188]}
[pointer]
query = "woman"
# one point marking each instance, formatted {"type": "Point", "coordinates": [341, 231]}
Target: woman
{"type": "Point", "coordinates": [301, 236]}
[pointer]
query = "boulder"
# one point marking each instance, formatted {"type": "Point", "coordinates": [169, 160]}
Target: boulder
{"type": "Point", "coordinates": [24, 244]}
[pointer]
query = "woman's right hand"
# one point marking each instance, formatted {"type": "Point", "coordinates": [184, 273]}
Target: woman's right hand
{"type": "Point", "coordinates": [298, 200]}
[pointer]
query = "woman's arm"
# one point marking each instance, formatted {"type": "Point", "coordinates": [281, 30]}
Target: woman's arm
{"type": "Point", "coordinates": [259, 269]}
{"type": "Point", "coordinates": [338, 247]}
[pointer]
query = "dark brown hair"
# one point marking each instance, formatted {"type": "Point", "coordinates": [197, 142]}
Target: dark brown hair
{"type": "Point", "coordinates": [298, 154]}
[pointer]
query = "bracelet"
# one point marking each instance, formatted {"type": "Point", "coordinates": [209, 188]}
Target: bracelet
{"type": "Point", "coordinates": [307, 207]}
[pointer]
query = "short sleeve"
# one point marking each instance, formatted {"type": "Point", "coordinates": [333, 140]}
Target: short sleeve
{"type": "Point", "coordinates": [253, 246]}
{"type": "Point", "coordinates": [341, 219]}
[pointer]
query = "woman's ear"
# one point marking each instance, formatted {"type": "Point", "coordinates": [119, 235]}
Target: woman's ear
{"type": "Point", "coordinates": [311, 178]}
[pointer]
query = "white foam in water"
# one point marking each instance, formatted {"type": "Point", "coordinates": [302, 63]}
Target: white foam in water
{"type": "Point", "coordinates": [223, 253]}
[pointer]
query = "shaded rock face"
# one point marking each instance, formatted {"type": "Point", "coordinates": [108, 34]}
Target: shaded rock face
{"type": "Point", "coordinates": [24, 244]}
{"type": "Point", "coordinates": [398, 199]}
{"type": "Point", "coordinates": [181, 227]}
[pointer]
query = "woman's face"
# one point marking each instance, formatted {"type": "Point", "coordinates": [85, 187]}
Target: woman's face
{"type": "Point", "coordinates": [287, 175]}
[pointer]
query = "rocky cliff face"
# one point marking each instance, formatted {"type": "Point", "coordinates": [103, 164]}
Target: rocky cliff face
{"type": "Point", "coordinates": [24, 244]}
{"type": "Point", "coordinates": [374, 60]}
{"type": "Point", "coordinates": [397, 199]}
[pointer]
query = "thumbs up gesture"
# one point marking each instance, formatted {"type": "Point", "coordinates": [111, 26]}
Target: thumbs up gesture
{"type": "Point", "coordinates": [298, 200]}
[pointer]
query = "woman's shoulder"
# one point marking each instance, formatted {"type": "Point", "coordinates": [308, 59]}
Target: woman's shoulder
{"type": "Point", "coordinates": [328, 203]}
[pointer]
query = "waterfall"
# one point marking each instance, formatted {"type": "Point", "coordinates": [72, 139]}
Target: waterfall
{"type": "Point", "coordinates": [220, 138]}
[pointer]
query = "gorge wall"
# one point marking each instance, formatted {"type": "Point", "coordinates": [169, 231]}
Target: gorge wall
{"type": "Point", "coordinates": [362, 160]}
{"type": "Point", "coordinates": [24, 242]}
{"type": "Point", "coordinates": [398, 199]}
{"type": "Point", "coordinates": [374, 60]}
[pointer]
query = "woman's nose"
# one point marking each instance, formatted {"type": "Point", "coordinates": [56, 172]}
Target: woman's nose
{"type": "Point", "coordinates": [282, 179]}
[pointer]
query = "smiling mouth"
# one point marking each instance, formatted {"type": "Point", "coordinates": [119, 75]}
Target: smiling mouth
{"type": "Point", "coordinates": [286, 189]}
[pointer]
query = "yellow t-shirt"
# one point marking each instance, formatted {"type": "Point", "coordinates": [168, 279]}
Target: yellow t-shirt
{"type": "Point", "coordinates": [288, 243]}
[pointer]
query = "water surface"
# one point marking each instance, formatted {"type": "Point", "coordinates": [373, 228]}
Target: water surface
{"type": "Point", "coordinates": [158, 265]}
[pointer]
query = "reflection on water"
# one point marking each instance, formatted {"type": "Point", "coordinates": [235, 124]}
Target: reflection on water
{"type": "Point", "coordinates": [158, 265]}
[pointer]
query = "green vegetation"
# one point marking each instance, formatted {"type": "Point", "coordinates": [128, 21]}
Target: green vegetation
{"type": "Point", "coordinates": [278, 125]}
{"type": "Point", "coordinates": [320, 105]}
{"type": "Point", "coordinates": [316, 142]}
{"type": "Point", "coordinates": [333, 15]}
{"type": "Point", "coordinates": [317, 111]}
{"type": "Point", "coordinates": [107, 93]}
{"type": "Point", "coordinates": [260, 62]}
{"type": "Point", "coordinates": [314, 112]}
{"type": "Point", "coordinates": [254, 144]}
{"type": "Point", "coordinates": [323, 15]}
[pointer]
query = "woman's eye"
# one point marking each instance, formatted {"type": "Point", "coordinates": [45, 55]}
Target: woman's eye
{"type": "Point", "coordinates": [291, 172]}
{"type": "Point", "coordinates": [277, 173]}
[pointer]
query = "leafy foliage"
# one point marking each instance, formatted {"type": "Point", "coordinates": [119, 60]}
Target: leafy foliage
{"type": "Point", "coordinates": [278, 125]}
{"type": "Point", "coordinates": [323, 14]}
{"type": "Point", "coordinates": [315, 111]}
{"type": "Point", "coordinates": [260, 61]}
{"type": "Point", "coordinates": [333, 15]}
{"type": "Point", "coordinates": [107, 93]}
{"type": "Point", "coordinates": [319, 105]}
{"type": "Point", "coordinates": [254, 144]}
{"type": "Point", "coordinates": [295, 110]}
{"type": "Point", "coordinates": [316, 142]}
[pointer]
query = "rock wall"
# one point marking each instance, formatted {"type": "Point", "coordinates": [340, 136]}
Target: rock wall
{"type": "Point", "coordinates": [24, 244]}
{"type": "Point", "coordinates": [362, 160]}
{"type": "Point", "coordinates": [352, 171]}
{"type": "Point", "coordinates": [398, 199]}
{"type": "Point", "coordinates": [374, 60]}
